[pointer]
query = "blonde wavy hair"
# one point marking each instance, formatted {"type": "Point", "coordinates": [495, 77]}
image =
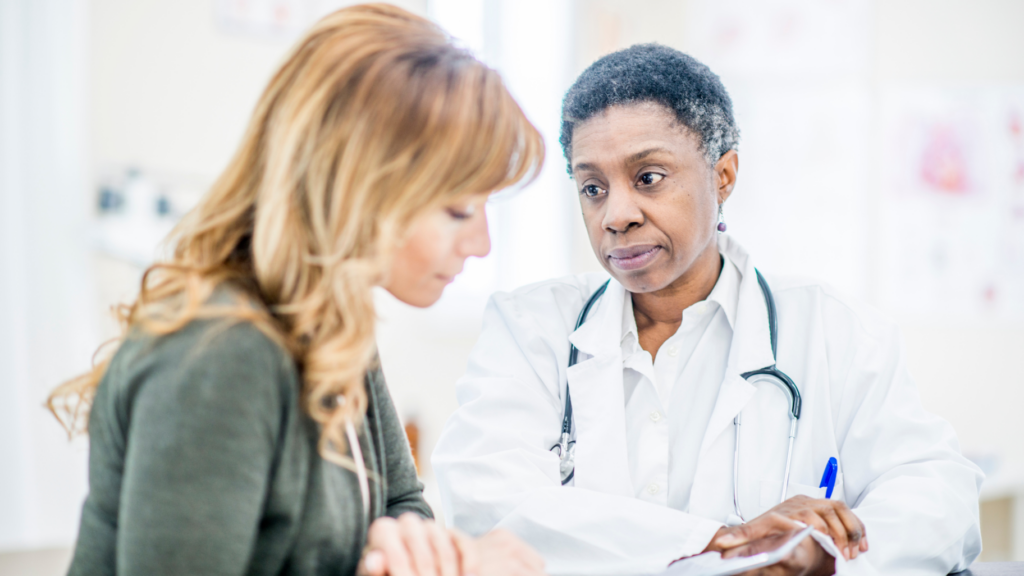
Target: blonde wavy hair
{"type": "Point", "coordinates": [374, 119]}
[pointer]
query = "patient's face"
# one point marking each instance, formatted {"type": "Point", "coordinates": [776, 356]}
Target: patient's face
{"type": "Point", "coordinates": [434, 250]}
{"type": "Point", "coordinates": [649, 199]}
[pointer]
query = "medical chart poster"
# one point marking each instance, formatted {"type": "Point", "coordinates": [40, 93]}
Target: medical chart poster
{"type": "Point", "coordinates": [952, 202]}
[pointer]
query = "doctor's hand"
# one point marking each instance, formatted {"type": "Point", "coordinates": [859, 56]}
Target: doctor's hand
{"type": "Point", "coordinates": [764, 526]}
{"type": "Point", "coordinates": [830, 517]}
{"type": "Point", "coordinates": [808, 559]}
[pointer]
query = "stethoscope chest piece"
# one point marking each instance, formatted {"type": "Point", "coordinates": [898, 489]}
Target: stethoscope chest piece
{"type": "Point", "coordinates": [567, 463]}
{"type": "Point", "coordinates": [566, 448]}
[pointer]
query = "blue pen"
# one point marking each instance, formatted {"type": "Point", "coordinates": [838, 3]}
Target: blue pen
{"type": "Point", "coordinates": [829, 477]}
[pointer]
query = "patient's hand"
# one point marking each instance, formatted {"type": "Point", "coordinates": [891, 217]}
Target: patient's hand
{"type": "Point", "coordinates": [409, 546]}
{"type": "Point", "coordinates": [499, 553]}
{"type": "Point", "coordinates": [808, 559]}
{"type": "Point", "coordinates": [413, 546]}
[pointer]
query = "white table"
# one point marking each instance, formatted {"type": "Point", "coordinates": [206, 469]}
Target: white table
{"type": "Point", "coordinates": [993, 569]}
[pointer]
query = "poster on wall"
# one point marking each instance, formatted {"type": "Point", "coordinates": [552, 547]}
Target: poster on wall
{"type": "Point", "coordinates": [952, 202]}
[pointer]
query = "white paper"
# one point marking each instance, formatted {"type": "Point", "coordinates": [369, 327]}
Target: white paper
{"type": "Point", "coordinates": [712, 564]}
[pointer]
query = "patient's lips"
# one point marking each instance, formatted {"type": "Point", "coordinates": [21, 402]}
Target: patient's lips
{"type": "Point", "coordinates": [633, 257]}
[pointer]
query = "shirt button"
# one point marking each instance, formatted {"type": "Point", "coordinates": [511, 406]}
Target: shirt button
{"type": "Point", "coordinates": [653, 488]}
{"type": "Point", "coordinates": [673, 351]}
{"type": "Point", "coordinates": [655, 416]}
{"type": "Point", "coordinates": [701, 307]}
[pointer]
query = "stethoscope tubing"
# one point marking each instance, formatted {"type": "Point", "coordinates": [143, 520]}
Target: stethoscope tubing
{"type": "Point", "coordinates": [785, 383]}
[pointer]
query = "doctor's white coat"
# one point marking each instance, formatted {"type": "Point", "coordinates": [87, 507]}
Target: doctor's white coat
{"type": "Point", "coordinates": [900, 468]}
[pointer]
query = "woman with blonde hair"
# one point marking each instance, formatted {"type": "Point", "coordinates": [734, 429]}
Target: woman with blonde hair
{"type": "Point", "coordinates": [243, 426]}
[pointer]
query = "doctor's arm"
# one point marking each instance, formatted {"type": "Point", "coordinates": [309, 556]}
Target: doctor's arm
{"type": "Point", "coordinates": [495, 468]}
{"type": "Point", "coordinates": [904, 475]}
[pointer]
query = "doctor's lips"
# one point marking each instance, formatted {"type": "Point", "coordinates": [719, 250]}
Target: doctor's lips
{"type": "Point", "coordinates": [633, 257]}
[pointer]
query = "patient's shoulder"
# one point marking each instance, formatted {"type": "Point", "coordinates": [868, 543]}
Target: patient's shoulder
{"type": "Point", "coordinates": [211, 361]}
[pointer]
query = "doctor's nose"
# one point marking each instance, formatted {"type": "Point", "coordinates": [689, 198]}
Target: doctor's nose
{"type": "Point", "coordinates": [621, 211]}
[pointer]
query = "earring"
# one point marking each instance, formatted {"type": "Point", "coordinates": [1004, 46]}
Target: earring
{"type": "Point", "coordinates": [721, 220]}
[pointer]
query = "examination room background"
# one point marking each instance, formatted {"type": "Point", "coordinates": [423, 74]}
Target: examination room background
{"type": "Point", "coordinates": [882, 150]}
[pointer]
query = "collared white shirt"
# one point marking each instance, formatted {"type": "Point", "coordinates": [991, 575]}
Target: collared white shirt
{"type": "Point", "coordinates": [669, 401]}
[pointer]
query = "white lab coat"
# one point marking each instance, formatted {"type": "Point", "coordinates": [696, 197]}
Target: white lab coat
{"type": "Point", "coordinates": [900, 468]}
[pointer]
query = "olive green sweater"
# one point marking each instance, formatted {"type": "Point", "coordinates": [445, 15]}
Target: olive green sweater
{"type": "Point", "coordinates": [202, 461]}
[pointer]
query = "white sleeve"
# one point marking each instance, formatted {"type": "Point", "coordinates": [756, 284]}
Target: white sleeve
{"type": "Point", "coordinates": [495, 469]}
{"type": "Point", "coordinates": [904, 475]}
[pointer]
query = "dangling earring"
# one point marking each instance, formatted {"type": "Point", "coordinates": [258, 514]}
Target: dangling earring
{"type": "Point", "coordinates": [721, 220]}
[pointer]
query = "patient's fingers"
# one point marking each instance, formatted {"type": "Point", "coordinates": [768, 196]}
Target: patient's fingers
{"type": "Point", "coordinates": [384, 537]}
{"type": "Point", "coordinates": [469, 559]}
{"type": "Point", "coordinates": [417, 542]}
{"type": "Point", "coordinates": [373, 563]}
{"type": "Point", "coordinates": [446, 555]}
{"type": "Point", "coordinates": [503, 554]}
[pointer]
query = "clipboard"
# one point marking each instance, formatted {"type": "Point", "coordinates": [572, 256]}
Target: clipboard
{"type": "Point", "coordinates": [712, 563]}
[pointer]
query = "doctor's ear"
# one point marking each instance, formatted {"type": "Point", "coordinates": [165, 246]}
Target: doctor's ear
{"type": "Point", "coordinates": [726, 170]}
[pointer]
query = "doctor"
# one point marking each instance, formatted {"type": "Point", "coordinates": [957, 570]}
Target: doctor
{"type": "Point", "coordinates": [661, 468]}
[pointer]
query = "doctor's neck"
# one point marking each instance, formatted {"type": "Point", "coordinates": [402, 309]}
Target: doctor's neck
{"type": "Point", "coordinates": [659, 313]}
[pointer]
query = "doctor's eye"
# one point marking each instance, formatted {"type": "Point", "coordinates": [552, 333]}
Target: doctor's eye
{"type": "Point", "coordinates": [650, 178]}
{"type": "Point", "coordinates": [590, 191]}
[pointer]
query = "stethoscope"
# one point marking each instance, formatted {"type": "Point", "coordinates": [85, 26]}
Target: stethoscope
{"type": "Point", "coordinates": [566, 448]}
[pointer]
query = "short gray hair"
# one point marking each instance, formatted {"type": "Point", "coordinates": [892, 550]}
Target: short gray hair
{"type": "Point", "coordinates": [654, 73]}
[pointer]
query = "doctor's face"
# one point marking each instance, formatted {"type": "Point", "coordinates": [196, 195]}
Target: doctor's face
{"type": "Point", "coordinates": [649, 198]}
{"type": "Point", "coordinates": [434, 250]}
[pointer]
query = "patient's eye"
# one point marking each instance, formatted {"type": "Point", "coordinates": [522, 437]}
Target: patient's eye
{"type": "Point", "coordinates": [591, 190]}
{"type": "Point", "coordinates": [650, 178]}
{"type": "Point", "coordinates": [461, 212]}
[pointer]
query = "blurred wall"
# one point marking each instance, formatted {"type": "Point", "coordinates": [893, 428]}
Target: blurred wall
{"type": "Point", "coordinates": [47, 314]}
{"type": "Point", "coordinates": [966, 371]}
